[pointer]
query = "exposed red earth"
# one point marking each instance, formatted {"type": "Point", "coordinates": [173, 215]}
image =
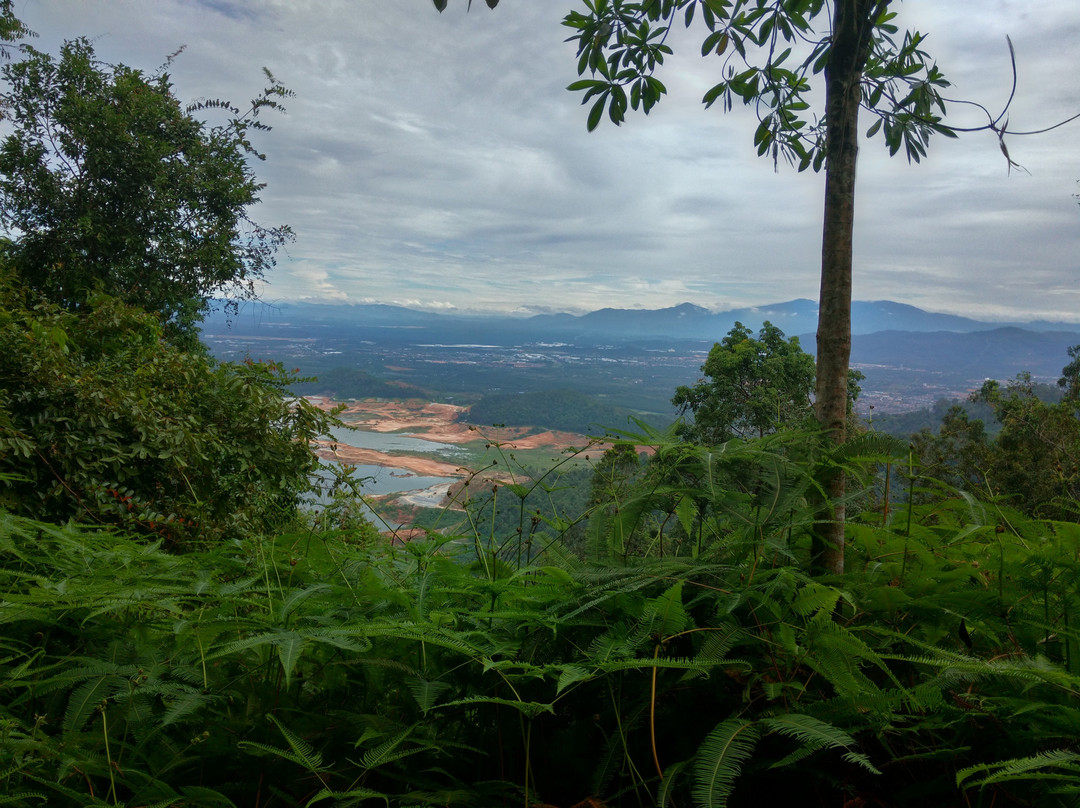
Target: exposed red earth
{"type": "Point", "coordinates": [435, 422]}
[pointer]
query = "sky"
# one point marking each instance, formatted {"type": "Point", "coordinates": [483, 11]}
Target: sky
{"type": "Point", "coordinates": [437, 161]}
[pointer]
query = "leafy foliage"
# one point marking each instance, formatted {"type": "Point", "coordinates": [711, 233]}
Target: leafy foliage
{"type": "Point", "coordinates": [681, 655]}
{"type": "Point", "coordinates": [1031, 460]}
{"type": "Point", "coordinates": [313, 669]}
{"type": "Point", "coordinates": [103, 421]}
{"type": "Point", "coordinates": [567, 410]}
{"type": "Point", "coordinates": [752, 387]}
{"type": "Point", "coordinates": [769, 54]}
{"type": "Point", "coordinates": [107, 183]}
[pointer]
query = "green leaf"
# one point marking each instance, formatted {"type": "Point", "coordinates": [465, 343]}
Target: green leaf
{"type": "Point", "coordinates": [85, 699]}
{"type": "Point", "coordinates": [571, 674]}
{"type": "Point", "coordinates": [720, 760]}
{"type": "Point", "coordinates": [289, 646]}
{"type": "Point", "coordinates": [596, 113]}
{"type": "Point", "coordinates": [530, 709]}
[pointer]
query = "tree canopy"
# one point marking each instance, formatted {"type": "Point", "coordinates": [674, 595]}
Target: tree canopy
{"type": "Point", "coordinates": [109, 184]}
{"type": "Point", "coordinates": [104, 422]}
{"type": "Point", "coordinates": [751, 387]}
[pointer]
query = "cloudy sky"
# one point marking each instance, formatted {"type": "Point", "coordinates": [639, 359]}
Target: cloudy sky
{"type": "Point", "coordinates": [437, 161]}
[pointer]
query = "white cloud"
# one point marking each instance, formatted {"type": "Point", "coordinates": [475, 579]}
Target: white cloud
{"type": "Point", "coordinates": [439, 159]}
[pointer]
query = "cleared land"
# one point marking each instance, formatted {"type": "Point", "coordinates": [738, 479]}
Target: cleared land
{"type": "Point", "coordinates": [439, 423]}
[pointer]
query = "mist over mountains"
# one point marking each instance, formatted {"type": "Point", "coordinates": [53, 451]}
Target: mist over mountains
{"type": "Point", "coordinates": [911, 357]}
{"type": "Point", "coordinates": [686, 321]}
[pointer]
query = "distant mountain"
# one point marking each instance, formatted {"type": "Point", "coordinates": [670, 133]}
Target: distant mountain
{"type": "Point", "coordinates": [792, 317]}
{"type": "Point", "coordinates": [999, 353]}
{"type": "Point", "coordinates": [910, 357]}
{"type": "Point", "coordinates": [686, 321]}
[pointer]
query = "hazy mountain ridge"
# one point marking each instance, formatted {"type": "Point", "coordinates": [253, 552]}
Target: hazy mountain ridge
{"type": "Point", "coordinates": [911, 357]}
{"type": "Point", "coordinates": [685, 321]}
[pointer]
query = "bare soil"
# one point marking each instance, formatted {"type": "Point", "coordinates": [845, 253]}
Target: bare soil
{"type": "Point", "coordinates": [438, 422]}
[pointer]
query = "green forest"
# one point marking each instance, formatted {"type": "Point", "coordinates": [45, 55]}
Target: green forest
{"type": "Point", "coordinates": [196, 611]}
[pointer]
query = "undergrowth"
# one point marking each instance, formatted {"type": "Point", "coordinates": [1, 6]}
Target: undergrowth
{"type": "Point", "coordinates": [681, 657]}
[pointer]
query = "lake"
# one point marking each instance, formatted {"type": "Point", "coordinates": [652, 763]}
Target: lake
{"type": "Point", "coordinates": [393, 442]}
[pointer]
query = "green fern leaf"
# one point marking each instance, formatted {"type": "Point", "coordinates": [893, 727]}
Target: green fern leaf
{"type": "Point", "coordinates": [665, 794]}
{"type": "Point", "coordinates": [814, 734]}
{"type": "Point", "coordinates": [289, 648]}
{"type": "Point", "coordinates": [351, 797]}
{"type": "Point", "coordinates": [530, 709]}
{"type": "Point", "coordinates": [720, 760]}
{"type": "Point", "coordinates": [85, 699]}
{"type": "Point", "coordinates": [8, 799]}
{"type": "Point", "coordinates": [1025, 768]}
{"type": "Point", "coordinates": [387, 750]}
{"type": "Point", "coordinates": [426, 693]}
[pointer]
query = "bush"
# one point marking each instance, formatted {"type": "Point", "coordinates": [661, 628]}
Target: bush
{"type": "Point", "coordinates": [103, 421]}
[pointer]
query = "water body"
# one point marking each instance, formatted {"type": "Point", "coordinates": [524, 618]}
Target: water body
{"type": "Point", "coordinates": [392, 442]}
{"type": "Point", "coordinates": [378, 480]}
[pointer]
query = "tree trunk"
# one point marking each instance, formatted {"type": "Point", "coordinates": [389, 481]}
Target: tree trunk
{"type": "Point", "coordinates": [851, 37]}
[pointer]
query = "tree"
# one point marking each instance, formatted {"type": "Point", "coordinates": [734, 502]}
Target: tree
{"type": "Point", "coordinates": [621, 44]}
{"type": "Point", "coordinates": [104, 422]}
{"type": "Point", "coordinates": [1036, 457]}
{"type": "Point", "coordinates": [12, 28]}
{"type": "Point", "coordinates": [751, 388]}
{"type": "Point", "coordinates": [108, 184]}
{"type": "Point", "coordinates": [1070, 375]}
{"type": "Point", "coordinates": [857, 48]}
{"type": "Point", "coordinates": [958, 455]}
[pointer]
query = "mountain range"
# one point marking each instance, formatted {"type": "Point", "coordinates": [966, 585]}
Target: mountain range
{"type": "Point", "coordinates": [685, 321]}
{"type": "Point", "coordinates": [910, 356]}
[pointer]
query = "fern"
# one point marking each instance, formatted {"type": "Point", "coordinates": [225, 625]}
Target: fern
{"type": "Point", "coordinates": [1041, 766]}
{"type": "Point", "coordinates": [813, 735]}
{"type": "Point", "coordinates": [299, 752]}
{"type": "Point", "coordinates": [720, 759]}
{"type": "Point", "coordinates": [343, 799]}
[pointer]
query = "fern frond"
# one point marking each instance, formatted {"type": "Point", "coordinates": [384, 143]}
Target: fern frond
{"type": "Point", "coordinates": [426, 692]}
{"type": "Point", "coordinates": [346, 798]}
{"type": "Point", "coordinates": [8, 799]}
{"type": "Point", "coordinates": [720, 760]}
{"type": "Point", "coordinates": [1031, 767]}
{"type": "Point", "coordinates": [86, 697]}
{"type": "Point", "coordinates": [300, 751]}
{"type": "Point", "coordinates": [814, 734]}
{"type": "Point", "coordinates": [530, 709]}
{"type": "Point", "coordinates": [676, 663]}
{"type": "Point", "coordinates": [672, 778]}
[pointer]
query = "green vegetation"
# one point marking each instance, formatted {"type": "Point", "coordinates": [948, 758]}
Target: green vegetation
{"type": "Point", "coordinates": [338, 381]}
{"type": "Point", "coordinates": [566, 410]}
{"type": "Point", "coordinates": [1030, 459]}
{"type": "Point", "coordinates": [769, 55]}
{"type": "Point", "coordinates": [104, 421]}
{"type": "Point", "coordinates": [696, 665]}
{"type": "Point", "coordinates": [112, 186]}
{"type": "Point", "coordinates": [177, 631]}
{"type": "Point", "coordinates": [752, 387]}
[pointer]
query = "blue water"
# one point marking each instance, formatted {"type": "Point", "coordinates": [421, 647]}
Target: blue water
{"type": "Point", "coordinates": [378, 480]}
{"type": "Point", "coordinates": [392, 442]}
{"type": "Point", "coordinates": [383, 480]}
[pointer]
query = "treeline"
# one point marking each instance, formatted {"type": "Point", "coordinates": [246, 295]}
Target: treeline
{"type": "Point", "coordinates": [566, 410]}
{"type": "Point", "coordinates": [906, 424]}
{"type": "Point", "coordinates": [341, 382]}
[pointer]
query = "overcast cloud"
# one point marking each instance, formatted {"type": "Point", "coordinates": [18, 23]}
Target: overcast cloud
{"type": "Point", "coordinates": [437, 161]}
